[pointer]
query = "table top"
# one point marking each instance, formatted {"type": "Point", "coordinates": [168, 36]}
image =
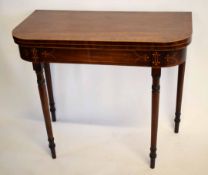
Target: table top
{"type": "Point", "coordinates": [47, 26]}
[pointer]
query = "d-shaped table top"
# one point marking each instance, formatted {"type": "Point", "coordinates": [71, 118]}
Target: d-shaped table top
{"type": "Point", "coordinates": [156, 39]}
{"type": "Point", "coordinates": [84, 27]}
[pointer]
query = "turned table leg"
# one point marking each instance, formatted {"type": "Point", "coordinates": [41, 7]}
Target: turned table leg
{"type": "Point", "coordinates": [50, 90]}
{"type": "Point", "coordinates": [155, 110]}
{"type": "Point", "coordinates": [38, 68]}
{"type": "Point", "coordinates": [181, 71]}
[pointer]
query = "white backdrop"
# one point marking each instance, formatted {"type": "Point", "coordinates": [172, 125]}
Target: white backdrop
{"type": "Point", "coordinates": [113, 98]}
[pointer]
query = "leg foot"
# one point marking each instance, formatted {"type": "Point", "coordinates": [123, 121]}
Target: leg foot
{"type": "Point", "coordinates": [52, 147]}
{"type": "Point", "coordinates": [153, 156]}
{"type": "Point", "coordinates": [177, 122]}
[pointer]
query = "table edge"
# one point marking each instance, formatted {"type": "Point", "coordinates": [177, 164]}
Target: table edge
{"type": "Point", "coordinates": [149, 45]}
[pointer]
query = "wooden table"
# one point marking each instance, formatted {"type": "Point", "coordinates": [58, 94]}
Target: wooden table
{"type": "Point", "coordinates": [151, 39]}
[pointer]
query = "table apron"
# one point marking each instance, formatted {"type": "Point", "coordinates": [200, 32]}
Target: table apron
{"type": "Point", "coordinates": [152, 58]}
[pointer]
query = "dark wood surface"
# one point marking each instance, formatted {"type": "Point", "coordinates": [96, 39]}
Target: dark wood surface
{"type": "Point", "coordinates": [38, 68]}
{"type": "Point", "coordinates": [181, 72]}
{"type": "Point", "coordinates": [152, 39]}
{"type": "Point", "coordinates": [156, 72]}
{"type": "Point", "coordinates": [50, 90]}
{"type": "Point", "coordinates": [145, 27]}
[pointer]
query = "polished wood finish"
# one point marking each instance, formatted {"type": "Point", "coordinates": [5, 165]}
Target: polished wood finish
{"type": "Point", "coordinates": [50, 91]}
{"type": "Point", "coordinates": [38, 68]}
{"type": "Point", "coordinates": [156, 72]}
{"type": "Point", "coordinates": [181, 72]}
{"type": "Point", "coordinates": [150, 39]}
{"type": "Point", "coordinates": [145, 39]}
{"type": "Point", "coordinates": [86, 26]}
{"type": "Point", "coordinates": [109, 56]}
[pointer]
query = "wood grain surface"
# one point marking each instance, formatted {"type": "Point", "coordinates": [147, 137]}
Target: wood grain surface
{"type": "Point", "coordinates": [86, 26]}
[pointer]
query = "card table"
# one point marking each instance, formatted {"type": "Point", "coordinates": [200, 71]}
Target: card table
{"type": "Point", "coordinates": [149, 39]}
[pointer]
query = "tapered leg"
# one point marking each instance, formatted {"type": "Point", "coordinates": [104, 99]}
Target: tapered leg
{"type": "Point", "coordinates": [38, 67]}
{"type": "Point", "coordinates": [50, 90]}
{"type": "Point", "coordinates": [155, 110]}
{"type": "Point", "coordinates": [181, 71]}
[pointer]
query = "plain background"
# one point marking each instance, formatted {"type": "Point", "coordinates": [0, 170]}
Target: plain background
{"type": "Point", "coordinates": [103, 112]}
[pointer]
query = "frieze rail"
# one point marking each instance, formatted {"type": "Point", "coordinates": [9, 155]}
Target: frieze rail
{"type": "Point", "coordinates": [122, 57]}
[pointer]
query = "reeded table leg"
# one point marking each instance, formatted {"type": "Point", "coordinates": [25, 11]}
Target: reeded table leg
{"type": "Point", "coordinates": [50, 90]}
{"type": "Point", "coordinates": [181, 71]}
{"type": "Point", "coordinates": [38, 67]}
{"type": "Point", "coordinates": [155, 110]}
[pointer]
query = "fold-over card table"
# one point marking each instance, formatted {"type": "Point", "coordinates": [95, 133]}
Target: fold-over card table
{"type": "Point", "coordinates": [150, 39]}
